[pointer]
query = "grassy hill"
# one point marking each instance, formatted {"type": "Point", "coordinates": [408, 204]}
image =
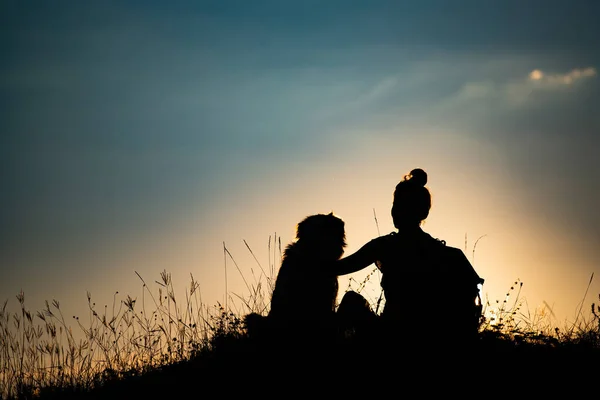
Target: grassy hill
{"type": "Point", "coordinates": [190, 350]}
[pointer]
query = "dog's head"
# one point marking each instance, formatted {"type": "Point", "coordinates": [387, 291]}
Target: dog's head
{"type": "Point", "coordinates": [324, 233]}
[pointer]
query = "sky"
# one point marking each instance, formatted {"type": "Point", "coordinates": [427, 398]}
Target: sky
{"type": "Point", "coordinates": [149, 136]}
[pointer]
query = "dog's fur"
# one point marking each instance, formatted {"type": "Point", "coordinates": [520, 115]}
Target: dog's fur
{"type": "Point", "coordinates": [305, 287]}
{"type": "Point", "coordinates": [305, 291]}
{"type": "Point", "coordinates": [304, 300]}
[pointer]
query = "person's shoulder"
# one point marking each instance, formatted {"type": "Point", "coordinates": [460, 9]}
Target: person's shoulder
{"type": "Point", "coordinates": [459, 261]}
{"type": "Point", "coordinates": [384, 239]}
{"type": "Point", "coordinates": [381, 239]}
{"type": "Point", "coordinates": [389, 236]}
{"type": "Point", "coordinates": [432, 241]}
{"type": "Point", "coordinates": [447, 250]}
{"type": "Point", "coordinates": [379, 243]}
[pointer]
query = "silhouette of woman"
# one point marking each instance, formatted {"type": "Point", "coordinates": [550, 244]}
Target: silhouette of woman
{"type": "Point", "coordinates": [419, 272]}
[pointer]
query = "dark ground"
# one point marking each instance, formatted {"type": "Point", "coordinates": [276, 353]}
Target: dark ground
{"type": "Point", "coordinates": [248, 368]}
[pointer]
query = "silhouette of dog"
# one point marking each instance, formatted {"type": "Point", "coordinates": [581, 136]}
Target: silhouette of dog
{"type": "Point", "coordinates": [306, 288]}
{"type": "Point", "coordinates": [304, 297]}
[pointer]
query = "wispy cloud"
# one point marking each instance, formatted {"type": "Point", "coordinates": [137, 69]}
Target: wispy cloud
{"type": "Point", "coordinates": [378, 91]}
{"type": "Point", "coordinates": [521, 90]}
{"type": "Point", "coordinates": [358, 98]}
{"type": "Point", "coordinates": [543, 79]}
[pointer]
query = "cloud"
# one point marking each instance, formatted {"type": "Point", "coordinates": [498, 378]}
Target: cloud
{"type": "Point", "coordinates": [478, 90]}
{"type": "Point", "coordinates": [538, 82]}
{"type": "Point", "coordinates": [556, 80]}
{"type": "Point", "coordinates": [523, 90]}
{"type": "Point", "coordinates": [365, 97]}
{"type": "Point", "coordinates": [381, 89]}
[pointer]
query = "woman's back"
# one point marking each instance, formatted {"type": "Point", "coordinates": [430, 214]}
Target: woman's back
{"type": "Point", "coordinates": [407, 263]}
{"type": "Point", "coordinates": [428, 286]}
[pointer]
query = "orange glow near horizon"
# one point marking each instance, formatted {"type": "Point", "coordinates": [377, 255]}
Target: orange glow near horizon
{"type": "Point", "coordinates": [471, 201]}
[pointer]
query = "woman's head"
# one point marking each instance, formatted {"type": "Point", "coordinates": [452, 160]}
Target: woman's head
{"type": "Point", "coordinates": [412, 200]}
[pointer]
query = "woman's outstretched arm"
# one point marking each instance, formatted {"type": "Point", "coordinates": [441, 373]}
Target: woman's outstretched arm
{"type": "Point", "coordinates": [360, 259]}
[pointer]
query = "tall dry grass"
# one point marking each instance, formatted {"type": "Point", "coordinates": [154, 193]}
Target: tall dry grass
{"type": "Point", "coordinates": [39, 352]}
{"type": "Point", "coordinates": [39, 349]}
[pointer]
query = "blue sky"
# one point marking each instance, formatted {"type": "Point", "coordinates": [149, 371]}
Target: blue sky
{"type": "Point", "coordinates": [141, 136]}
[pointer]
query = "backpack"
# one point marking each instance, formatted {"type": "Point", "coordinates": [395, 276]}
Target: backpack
{"type": "Point", "coordinates": [460, 290]}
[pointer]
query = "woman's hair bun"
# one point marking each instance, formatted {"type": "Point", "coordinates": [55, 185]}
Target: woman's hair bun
{"type": "Point", "coordinates": [418, 177]}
